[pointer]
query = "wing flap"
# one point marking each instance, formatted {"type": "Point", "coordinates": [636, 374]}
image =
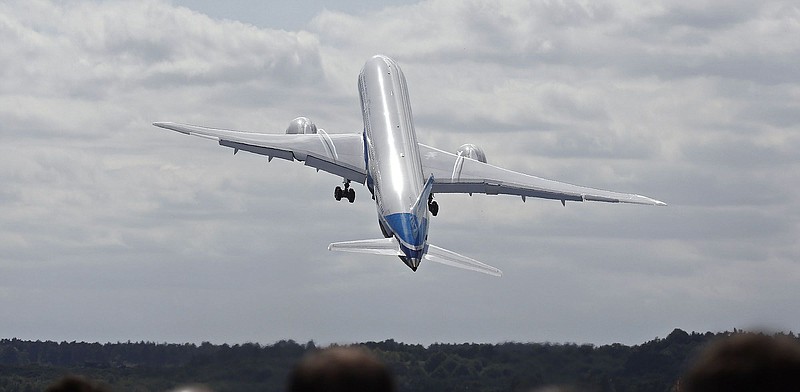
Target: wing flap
{"type": "Point", "coordinates": [458, 174]}
{"type": "Point", "coordinates": [339, 168]}
{"type": "Point", "coordinates": [270, 152]}
{"type": "Point", "coordinates": [339, 154]}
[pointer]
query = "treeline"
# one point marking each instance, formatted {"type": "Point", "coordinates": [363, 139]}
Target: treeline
{"type": "Point", "coordinates": [147, 366]}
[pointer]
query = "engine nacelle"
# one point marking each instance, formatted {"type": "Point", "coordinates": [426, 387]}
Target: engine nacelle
{"type": "Point", "coordinates": [472, 151]}
{"type": "Point", "coordinates": [301, 125]}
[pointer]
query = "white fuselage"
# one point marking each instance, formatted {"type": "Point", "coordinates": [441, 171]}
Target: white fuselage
{"type": "Point", "coordinates": [394, 168]}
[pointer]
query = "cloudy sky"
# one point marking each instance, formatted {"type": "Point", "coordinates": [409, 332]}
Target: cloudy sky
{"type": "Point", "coordinates": [112, 229]}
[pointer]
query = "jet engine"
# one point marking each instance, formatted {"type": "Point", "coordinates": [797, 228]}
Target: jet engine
{"type": "Point", "coordinates": [301, 125]}
{"type": "Point", "coordinates": [472, 151]}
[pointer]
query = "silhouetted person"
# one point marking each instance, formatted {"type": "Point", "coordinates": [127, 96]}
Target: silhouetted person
{"type": "Point", "coordinates": [75, 384]}
{"type": "Point", "coordinates": [746, 362]}
{"type": "Point", "coordinates": [341, 369]}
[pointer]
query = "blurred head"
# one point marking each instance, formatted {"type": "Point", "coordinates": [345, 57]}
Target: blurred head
{"type": "Point", "coordinates": [75, 384]}
{"type": "Point", "coordinates": [192, 388]}
{"type": "Point", "coordinates": [341, 369]}
{"type": "Point", "coordinates": [746, 362]}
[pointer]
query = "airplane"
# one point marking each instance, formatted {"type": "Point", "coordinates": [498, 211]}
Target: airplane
{"type": "Point", "coordinates": [401, 174]}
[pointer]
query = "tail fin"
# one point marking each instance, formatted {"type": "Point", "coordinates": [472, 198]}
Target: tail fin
{"type": "Point", "coordinates": [421, 204]}
{"type": "Point", "coordinates": [453, 259]}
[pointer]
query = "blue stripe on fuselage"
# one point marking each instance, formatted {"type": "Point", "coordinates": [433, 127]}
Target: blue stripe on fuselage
{"type": "Point", "coordinates": [410, 230]}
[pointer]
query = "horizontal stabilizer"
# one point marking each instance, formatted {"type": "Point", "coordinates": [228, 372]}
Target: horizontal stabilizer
{"type": "Point", "coordinates": [389, 247]}
{"type": "Point", "coordinates": [382, 246]}
{"type": "Point", "coordinates": [453, 259]}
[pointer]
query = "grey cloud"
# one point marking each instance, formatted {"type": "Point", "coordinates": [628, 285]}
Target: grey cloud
{"type": "Point", "coordinates": [697, 185]}
{"type": "Point", "coordinates": [678, 42]}
{"type": "Point", "coordinates": [149, 234]}
{"type": "Point", "coordinates": [743, 154]}
{"type": "Point", "coordinates": [705, 15]}
{"type": "Point", "coordinates": [119, 45]}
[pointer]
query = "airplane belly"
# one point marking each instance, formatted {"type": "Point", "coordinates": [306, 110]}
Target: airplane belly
{"type": "Point", "coordinates": [393, 155]}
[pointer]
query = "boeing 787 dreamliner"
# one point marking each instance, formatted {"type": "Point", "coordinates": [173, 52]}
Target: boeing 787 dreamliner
{"type": "Point", "coordinates": [401, 174]}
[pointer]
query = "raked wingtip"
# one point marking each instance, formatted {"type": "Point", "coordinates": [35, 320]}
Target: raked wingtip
{"type": "Point", "coordinates": [171, 126]}
{"type": "Point", "coordinates": [658, 202]}
{"type": "Point", "coordinates": [650, 201]}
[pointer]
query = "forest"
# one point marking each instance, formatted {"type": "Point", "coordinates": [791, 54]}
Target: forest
{"type": "Point", "coordinates": [511, 366]}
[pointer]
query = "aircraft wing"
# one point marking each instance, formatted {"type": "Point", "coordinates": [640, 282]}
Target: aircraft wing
{"type": "Point", "coordinates": [458, 174]}
{"type": "Point", "coordinates": [340, 154]}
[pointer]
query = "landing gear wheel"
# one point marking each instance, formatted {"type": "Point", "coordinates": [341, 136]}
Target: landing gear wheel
{"type": "Point", "coordinates": [434, 208]}
{"type": "Point", "coordinates": [337, 193]}
{"type": "Point", "coordinates": [346, 192]}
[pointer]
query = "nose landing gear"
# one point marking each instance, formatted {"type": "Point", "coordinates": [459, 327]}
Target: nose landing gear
{"type": "Point", "coordinates": [347, 193]}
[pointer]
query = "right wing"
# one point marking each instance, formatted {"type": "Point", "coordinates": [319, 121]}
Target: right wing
{"type": "Point", "coordinates": [339, 154]}
{"type": "Point", "coordinates": [458, 174]}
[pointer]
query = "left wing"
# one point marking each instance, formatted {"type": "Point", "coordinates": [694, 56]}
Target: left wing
{"type": "Point", "coordinates": [339, 154]}
{"type": "Point", "coordinates": [459, 174]}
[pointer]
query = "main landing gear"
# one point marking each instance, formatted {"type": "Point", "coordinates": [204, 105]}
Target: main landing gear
{"type": "Point", "coordinates": [347, 193]}
{"type": "Point", "coordinates": [433, 206]}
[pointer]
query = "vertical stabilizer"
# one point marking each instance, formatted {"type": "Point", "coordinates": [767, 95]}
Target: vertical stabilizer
{"type": "Point", "coordinates": [420, 206]}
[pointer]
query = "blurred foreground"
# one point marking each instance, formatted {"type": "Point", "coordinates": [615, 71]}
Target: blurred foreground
{"type": "Point", "coordinates": [652, 366]}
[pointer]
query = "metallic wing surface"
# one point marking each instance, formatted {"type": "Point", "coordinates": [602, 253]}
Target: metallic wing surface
{"type": "Point", "coordinates": [456, 173]}
{"type": "Point", "coordinates": [339, 154]}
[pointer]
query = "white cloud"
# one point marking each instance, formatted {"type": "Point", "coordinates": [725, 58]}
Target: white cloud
{"type": "Point", "coordinates": [107, 220]}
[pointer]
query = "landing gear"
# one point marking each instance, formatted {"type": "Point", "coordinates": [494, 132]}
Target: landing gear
{"type": "Point", "coordinates": [346, 192]}
{"type": "Point", "coordinates": [433, 206]}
